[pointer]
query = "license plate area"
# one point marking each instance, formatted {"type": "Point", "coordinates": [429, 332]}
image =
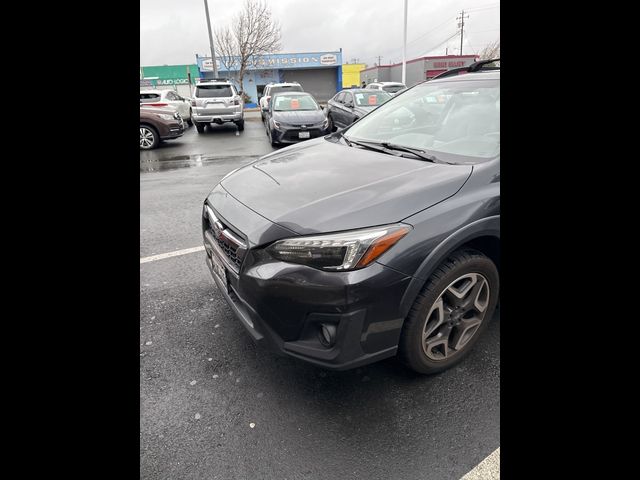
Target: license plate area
{"type": "Point", "coordinates": [304, 135]}
{"type": "Point", "coordinates": [219, 270]}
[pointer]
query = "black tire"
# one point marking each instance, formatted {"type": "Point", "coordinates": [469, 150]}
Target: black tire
{"type": "Point", "coordinates": [149, 138]}
{"type": "Point", "coordinates": [332, 127]}
{"type": "Point", "coordinates": [199, 127]}
{"type": "Point", "coordinates": [190, 120]}
{"type": "Point", "coordinates": [240, 125]}
{"type": "Point", "coordinates": [460, 263]}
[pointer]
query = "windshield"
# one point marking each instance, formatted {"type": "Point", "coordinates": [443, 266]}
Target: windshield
{"type": "Point", "coordinates": [460, 119]}
{"type": "Point", "coordinates": [393, 88]}
{"type": "Point", "coordinates": [285, 88]}
{"type": "Point", "coordinates": [371, 99]}
{"type": "Point", "coordinates": [213, 91]}
{"type": "Point", "coordinates": [287, 103]}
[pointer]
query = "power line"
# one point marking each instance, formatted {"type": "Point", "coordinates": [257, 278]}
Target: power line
{"type": "Point", "coordinates": [431, 49]}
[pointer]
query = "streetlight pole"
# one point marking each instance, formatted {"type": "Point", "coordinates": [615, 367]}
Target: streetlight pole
{"type": "Point", "coordinates": [213, 52]}
{"type": "Point", "coordinates": [404, 45]}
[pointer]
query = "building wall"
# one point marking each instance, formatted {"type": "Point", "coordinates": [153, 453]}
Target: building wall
{"type": "Point", "coordinates": [375, 74]}
{"type": "Point", "coordinates": [322, 83]}
{"type": "Point", "coordinates": [168, 76]}
{"type": "Point", "coordinates": [418, 70]}
{"type": "Point", "coordinates": [278, 66]}
{"type": "Point", "coordinates": [351, 74]}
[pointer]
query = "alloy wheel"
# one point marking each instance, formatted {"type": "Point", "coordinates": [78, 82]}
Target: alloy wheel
{"type": "Point", "coordinates": [455, 316]}
{"type": "Point", "coordinates": [146, 137]}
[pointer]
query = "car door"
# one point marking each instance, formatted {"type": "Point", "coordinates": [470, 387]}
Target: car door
{"type": "Point", "coordinates": [348, 106]}
{"type": "Point", "coordinates": [184, 106]}
{"type": "Point", "coordinates": [332, 105]}
{"type": "Point", "coordinates": [170, 98]}
{"type": "Point", "coordinates": [337, 114]}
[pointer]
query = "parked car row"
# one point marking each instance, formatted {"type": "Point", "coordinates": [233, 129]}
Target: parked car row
{"type": "Point", "coordinates": [289, 114]}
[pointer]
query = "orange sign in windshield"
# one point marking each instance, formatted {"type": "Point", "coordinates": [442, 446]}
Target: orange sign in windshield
{"type": "Point", "coordinates": [295, 104]}
{"type": "Point", "coordinates": [373, 99]}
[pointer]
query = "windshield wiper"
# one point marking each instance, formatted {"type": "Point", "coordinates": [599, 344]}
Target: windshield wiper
{"type": "Point", "coordinates": [421, 154]}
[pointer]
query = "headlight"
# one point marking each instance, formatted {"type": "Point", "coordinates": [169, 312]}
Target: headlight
{"type": "Point", "coordinates": [278, 125]}
{"type": "Point", "coordinates": [325, 124]}
{"type": "Point", "coordinates": [339, 251]}
{"type": "Point", "coordinates": [165, 116]}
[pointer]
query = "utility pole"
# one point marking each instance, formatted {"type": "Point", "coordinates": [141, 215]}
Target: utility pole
{"type": "Point", "coordinates": [213, 52]}
{"type": "Point", "coordinates": [379, 57]}
{"type": "Point", "coordinates": [461, 25]}
{"type": "Point", "coordinates": [404, 45]}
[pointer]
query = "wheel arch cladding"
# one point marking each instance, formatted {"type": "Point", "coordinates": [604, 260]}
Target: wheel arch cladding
{"type": "Point", "coordinates": [482, 235]}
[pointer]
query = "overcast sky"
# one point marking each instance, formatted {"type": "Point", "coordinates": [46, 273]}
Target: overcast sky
{"type": "Point", "coordinates": [173, 31]}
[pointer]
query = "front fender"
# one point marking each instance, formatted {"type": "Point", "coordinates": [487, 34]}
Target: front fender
{"type": "Point", "coordinates": [488, 226]}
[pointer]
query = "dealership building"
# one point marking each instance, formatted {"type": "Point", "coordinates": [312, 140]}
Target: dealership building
{"type": "Point", "coordinates": [180, 78]}
{"type": "Point", "coordinates": [418, 70]}
{"type": "Point", "coordinates": [319, 73]}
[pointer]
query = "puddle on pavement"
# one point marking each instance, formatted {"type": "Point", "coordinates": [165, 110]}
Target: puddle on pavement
{"type": "Point", "coordinates": [181, 161]}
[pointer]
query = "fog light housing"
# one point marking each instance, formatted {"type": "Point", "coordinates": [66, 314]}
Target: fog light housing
{"type": "Point", "coordinates": [327, 334]}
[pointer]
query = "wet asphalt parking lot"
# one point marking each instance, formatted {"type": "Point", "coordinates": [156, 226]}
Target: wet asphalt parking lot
{"type": "Point", "coordinates": [215, 406]}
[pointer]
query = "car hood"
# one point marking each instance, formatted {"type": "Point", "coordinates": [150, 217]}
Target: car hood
{"type": "Point", "coordinates": [300, 117]}
{"type": "Point", "coordinates": [322, 186]}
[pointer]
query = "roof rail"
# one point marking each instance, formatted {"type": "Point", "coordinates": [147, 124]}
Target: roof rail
{"type": "Point", "coordinates": [474, 67]}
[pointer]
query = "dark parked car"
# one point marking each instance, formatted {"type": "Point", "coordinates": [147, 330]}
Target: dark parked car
{"type": "Point", "coordinates": [294, 116]}
{"type": "Point", "coordinates": [349, 105]}
{"type": "Point", "coordinates": [380, 239]}
{"type": "Point", "coordinates": [158, 124]}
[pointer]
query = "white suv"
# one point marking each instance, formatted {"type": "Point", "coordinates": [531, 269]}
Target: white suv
{"type": "Point", "coordinates": [167, 98]}
{"type": "Point", "coordinates": [390, 87]}
{"type": "Point", "coordinates": [273, 88]}
{"type": "Point", "coordinates": [217, 102]}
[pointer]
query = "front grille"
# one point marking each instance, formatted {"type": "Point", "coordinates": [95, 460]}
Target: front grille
{"type": "Point", "coordinates": [293, 134]}
{"type": "Point", "coordinates": [227, 238]}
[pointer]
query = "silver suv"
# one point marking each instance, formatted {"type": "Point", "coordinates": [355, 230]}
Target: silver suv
{"type": "Point", "coordinates": [217, 102]}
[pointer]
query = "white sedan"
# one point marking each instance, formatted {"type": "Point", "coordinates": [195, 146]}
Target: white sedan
{"type": "Point", "coordinates": [167, 98]}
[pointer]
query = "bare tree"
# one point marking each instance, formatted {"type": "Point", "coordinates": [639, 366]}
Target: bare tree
{"type": "Point", "coordinates": [253, 33]}
{"type": "Point", "coordinates": [492, 50]}
{"type": "Point", "coordinates": [226, 50]}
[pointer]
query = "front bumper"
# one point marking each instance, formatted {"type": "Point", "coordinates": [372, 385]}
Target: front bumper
{"type": "Point", "coordinates": [175, 130]}
{"type": "Point", "coordinates": [290, 135]}
{"type": "Point", "coordinates": [283, 305]}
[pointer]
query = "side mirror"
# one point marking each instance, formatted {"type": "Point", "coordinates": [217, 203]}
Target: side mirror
{"type": "Point", "coordinates": [349, 104]}
{"type": "Point", "coordinates": [265, 109]}
{"type": "Point", "coordinates": [240, 92]}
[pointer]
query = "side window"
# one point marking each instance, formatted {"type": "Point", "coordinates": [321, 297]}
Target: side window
{"type": "Point", "coordinates": [340, 97]}
{"type": "Point", "coordinates": [171, 96]}
{"type": "Point", "coordinates": [348, 98]}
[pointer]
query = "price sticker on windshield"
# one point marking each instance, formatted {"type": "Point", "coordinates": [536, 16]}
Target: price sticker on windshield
{"type": "Point", "coordinates": [373, 99]}
{"type": "Point", "coordinates": [295, 103]}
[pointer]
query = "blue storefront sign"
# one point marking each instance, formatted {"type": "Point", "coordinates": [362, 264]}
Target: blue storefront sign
{"type": "Point", "coordinates": [274, 61]}
{"type": "Point", "coordinates": [273, 68]}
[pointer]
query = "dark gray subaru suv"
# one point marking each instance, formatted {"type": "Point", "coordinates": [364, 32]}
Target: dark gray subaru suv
{"type": "Point", "coordinates": [380, 239]}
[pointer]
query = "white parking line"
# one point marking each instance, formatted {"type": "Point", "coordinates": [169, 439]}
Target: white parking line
{"type": "Point", "coordinates": [161, 256]}
{"type": "Point", "coordinates": [488, 469]}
